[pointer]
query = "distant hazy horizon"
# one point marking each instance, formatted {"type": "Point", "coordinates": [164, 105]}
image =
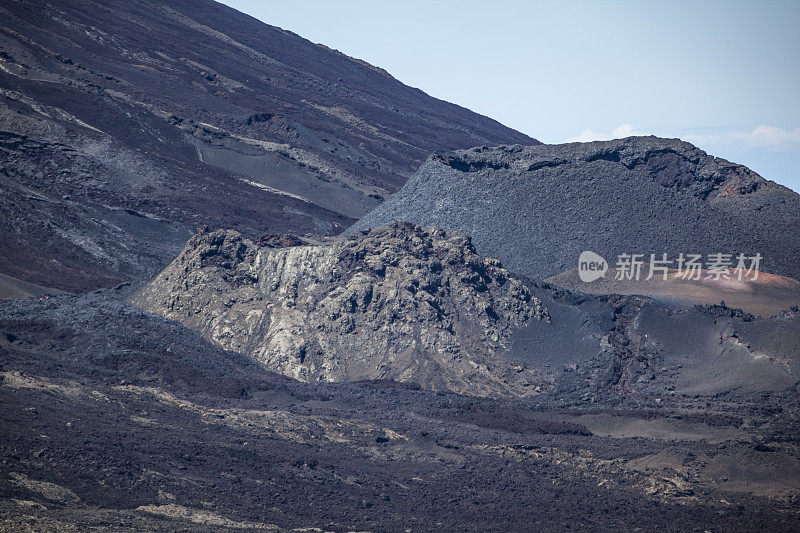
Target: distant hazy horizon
{"type": "Point", "coordinates": [724, 76]}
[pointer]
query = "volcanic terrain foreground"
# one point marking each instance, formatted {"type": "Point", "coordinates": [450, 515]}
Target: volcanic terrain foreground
{"type": "Point", "coordinates": [117, 419]}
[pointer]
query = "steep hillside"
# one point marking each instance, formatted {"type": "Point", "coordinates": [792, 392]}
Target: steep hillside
{"type": "Point", "coordinates": [125, 126]}
{"type": "Point", "coordinates": [537, 208]}
{"type": "Point", "coordinates": [400, 303]}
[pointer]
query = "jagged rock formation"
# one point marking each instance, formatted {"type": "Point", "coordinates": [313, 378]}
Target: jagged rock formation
{"type": "Point", "coordinates": [537, 208]}
{"type": "Point", "coordinates": [401, 303]}
{"type": "Point", "coordinates": [125, 126]}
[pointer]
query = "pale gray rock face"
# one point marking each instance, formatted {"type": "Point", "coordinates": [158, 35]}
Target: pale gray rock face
{"type": "Point", "coordinates": [400, 303]}
{"type": "Point", "coordinates": [536, 208]}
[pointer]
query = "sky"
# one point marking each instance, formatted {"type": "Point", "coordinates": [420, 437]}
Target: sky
{"type": "Point", "coordinates": [724, 75]}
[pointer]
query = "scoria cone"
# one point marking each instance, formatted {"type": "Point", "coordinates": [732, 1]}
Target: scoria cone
{"type": "Point", "coordinates": [536, 208]}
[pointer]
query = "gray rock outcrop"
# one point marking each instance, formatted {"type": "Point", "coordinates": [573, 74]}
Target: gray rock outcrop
{"type": "Point", "coordinates": [401, 303]}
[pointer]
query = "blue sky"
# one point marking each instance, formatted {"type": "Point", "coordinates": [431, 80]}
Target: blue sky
{"type": "Point", "coordinates": [722, 75]}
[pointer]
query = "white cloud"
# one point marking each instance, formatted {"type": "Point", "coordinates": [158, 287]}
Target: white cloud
{"type": "Point", "coordinates": [759, 137]}
{"type": "Point", "coordinates": [620, 132]}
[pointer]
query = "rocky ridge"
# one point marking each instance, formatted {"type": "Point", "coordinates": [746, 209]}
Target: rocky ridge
{"type": "Point", "coordinates": [401, 303]}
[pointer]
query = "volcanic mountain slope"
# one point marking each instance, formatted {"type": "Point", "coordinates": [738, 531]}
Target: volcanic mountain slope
{"type": "Point", "coordinates": [125, 126]}
{"type": "Point", "coordinates": [400, 303]}
{"type": "Point", "coordinates": [537, 208]}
